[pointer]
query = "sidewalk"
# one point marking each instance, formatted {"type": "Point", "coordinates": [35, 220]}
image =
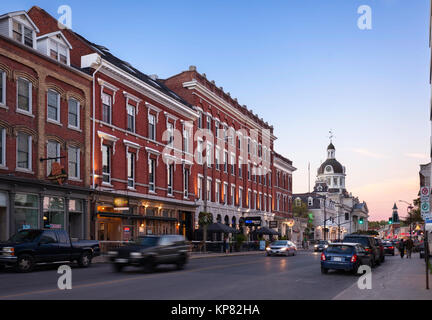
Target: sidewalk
{"type": "Point", "coordinates": [395, 279]}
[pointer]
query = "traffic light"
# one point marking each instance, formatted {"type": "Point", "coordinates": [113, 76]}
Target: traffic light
{"type": "Point", "coordinates": [361, 221]}
{"type": "Point", "coordinates": [390, 221]}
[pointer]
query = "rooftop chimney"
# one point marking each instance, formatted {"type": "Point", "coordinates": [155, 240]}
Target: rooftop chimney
{"type": "Point", "coordinates": [192, 68]}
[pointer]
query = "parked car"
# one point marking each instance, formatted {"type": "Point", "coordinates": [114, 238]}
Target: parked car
{"type": "Point", "coordinates": [421, 250]}
{"type": "Point", "coordinates": [368, 242]}
{"type": "Point", "coordinates": [29, 247]}
{"type": "Point", "coordinates": [281, 247]}
{"type": "Point", "coordinates": [149, 251]}
{"type": "Point", "coordinates": [321, 245]}
{"type": "Point", "coordinates": [389, 248]}
{"type": "Point", "coordinates": [380, 246]}
{"type": "Point", "coordinates": [344, 256]}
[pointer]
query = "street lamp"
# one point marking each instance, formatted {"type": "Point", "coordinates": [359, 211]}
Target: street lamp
{"type": "Point", "coordinates": [409, 208]}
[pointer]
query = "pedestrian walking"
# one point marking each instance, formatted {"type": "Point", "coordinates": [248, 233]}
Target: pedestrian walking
{"type": "Point", "coordinates": [409, 247]}
{"type": "Point", "coordinates": [226, 245]}
{"type": "Point", "coordinates": [401, 248]}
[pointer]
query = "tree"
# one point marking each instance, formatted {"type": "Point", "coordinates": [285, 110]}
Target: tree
{"type": "Point", "coordinates": [204, 219]}
{"type": "Point", "coordinates": [377, 224]}
{"type": "Point", "coordinates": [300, 211]}
{"type": "Point", "coordinates": [414, 215]}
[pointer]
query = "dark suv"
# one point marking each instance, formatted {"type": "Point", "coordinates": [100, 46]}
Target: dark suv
{"type": "Point", "coordinates": [149, 251]}
{"type": "Point", "coordinates": [368, 242]}
{"type": "Point", "coordinates": [381, 248]}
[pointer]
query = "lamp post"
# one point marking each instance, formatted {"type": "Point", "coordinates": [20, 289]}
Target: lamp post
{"type": "Point", "coordinates": [409, 208]}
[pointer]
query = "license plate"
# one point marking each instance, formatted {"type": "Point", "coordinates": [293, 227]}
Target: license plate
{"type": "Point", "coordinates": [121, 260]}
{"type": "Point", "coordinates": [337, 259]}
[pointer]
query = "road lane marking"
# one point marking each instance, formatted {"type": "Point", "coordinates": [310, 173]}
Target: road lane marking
{"type": "Point", "coordinates": [101, 283]}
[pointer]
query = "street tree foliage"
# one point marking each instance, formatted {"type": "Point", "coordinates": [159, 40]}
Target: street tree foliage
{"type": "Point", "coordinates": [377, 224]}
{"type": "Point", "coordinates": [415, 215]}
{"type": "Point", "coordinates": [300, 211]}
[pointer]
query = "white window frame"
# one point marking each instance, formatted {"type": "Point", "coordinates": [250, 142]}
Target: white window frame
{"type": "Point", "coordinates": [29, 163]}
{"type": "Point", "coordinates": [225, 193]}
{"type": "Point", "coordinates": [78, 114]}
{"type": "Point", "coordinates": [152, 169]}
{"type": "Point", "coordinates": [217, 191]}
{"type": "Point", "coordinates": [58, 106]}
{"type": "Point", "coordinates": [186, 182]}
{"type": "Point", "coordinates": [240, 197]}
{"type": "Point", "coordinates": [30, 91]}
{"type": "Point", "coordinates": [209, 189]}
{"type": "Point", "coordinates": [132, 108]}
{"type": "Point", "coordinates": [49, 162]}
{"type": "Point", "coordinates": [233, 191]}
{"type": "Point", "coordinates": [23, 27]}
{"type": "Point", "coordinates": [153, 132]}
{"type": "Point", "coordinates": [3, 142]}
{"type": "Point", "coordinates": [110, 105]}
{"type": "Point", "coordinates": [58, 45]}
{"type": "Point", "coordinates": [78, 163]}
{"type": "Point", "coordinates": [133, 169]}
{"type": "Point", "coordinates": [110, 154]}
{"type": "Point", "coordinates": [3, 82]}
{"type": "Point", "coordinates": [170, 176]}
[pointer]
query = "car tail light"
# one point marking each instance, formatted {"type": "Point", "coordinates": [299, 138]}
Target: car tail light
{"type": "Point", "coordinates": [368, 249]}
{"type": "Point", "coordinates": [354, 258]}
{"type": "Point", "coordinates": [391, 248]}
{"type": "Point", "coordinates": [323, 257]}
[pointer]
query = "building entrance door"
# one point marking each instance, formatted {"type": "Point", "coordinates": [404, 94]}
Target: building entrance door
{"type": "Point", "coordinates": [3, 224]}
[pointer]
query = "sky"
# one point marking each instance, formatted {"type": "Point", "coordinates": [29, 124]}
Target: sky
{"type": "Point", "coordinates": [304, 66]}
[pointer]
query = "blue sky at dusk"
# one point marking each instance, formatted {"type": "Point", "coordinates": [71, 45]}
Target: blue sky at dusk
{"type": "Point", "coordinates": [302, 65]}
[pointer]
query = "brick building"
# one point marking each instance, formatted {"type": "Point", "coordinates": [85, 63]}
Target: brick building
{"type": "Point", "coordinates": [236, 181]}
{"type": "Point", "coordinates": [44, 113]}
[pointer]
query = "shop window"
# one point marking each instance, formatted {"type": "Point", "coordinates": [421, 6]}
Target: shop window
{"type": "Point", "coordinates": [54, 213]}
{"type": "Point", "coordinates": [26, 211]}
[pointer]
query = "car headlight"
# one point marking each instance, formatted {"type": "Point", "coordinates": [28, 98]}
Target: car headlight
{"type": "Point", "coordinates": [316, 246]}
{"type": "Point", "coordinates": [136, 254]}
{"type": "Point", "coordinates": [283, 249]}
{"type": "Point", "coordinates": [8, 251]}
{"type": "Point", "coordinates": [326, 246]}
{"type": "Point", "coordinates": [112, 253]}
{"type": "Point", "coordinates": [268, 248]}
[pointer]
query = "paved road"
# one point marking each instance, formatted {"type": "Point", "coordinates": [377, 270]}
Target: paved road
{"type": "Point", "coordinates": [223, 278]}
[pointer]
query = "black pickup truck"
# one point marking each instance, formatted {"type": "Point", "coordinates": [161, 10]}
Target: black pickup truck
{"type": "Point", "coordinates": [29, 247]}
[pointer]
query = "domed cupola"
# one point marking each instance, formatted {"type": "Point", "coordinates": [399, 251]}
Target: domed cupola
{"type": "Point", "coordinates": [332, 172]}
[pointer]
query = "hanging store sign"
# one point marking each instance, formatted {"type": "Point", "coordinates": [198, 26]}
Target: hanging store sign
{"type": "Point", "coordinates": [273, 224]}
{"type": "Point", "coordinates": [58, 173]}
{"type": "Point", "coordinates": [121, 204]}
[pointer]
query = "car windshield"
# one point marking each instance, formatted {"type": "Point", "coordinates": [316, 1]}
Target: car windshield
{"type": "Point", "coordinates": [322, 242]}
{"type": "Point", "coordinates": [279, 243]}
{"type": "Point", "coordinates": [147, 241]}
{"type": "Point", "coordinates": [363, 241]}
{"type": "Point", "coordinates": [25, 236]}
{"type": "Point", "coordinates": [340, 249]}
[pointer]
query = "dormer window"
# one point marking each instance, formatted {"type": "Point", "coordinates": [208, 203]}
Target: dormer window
{"type": "Point", "coordinates": [58, 51]}
{"type": "Point", "coordinates": [22, 34]}
{"type": "Point", "coordinates": [56, 46]}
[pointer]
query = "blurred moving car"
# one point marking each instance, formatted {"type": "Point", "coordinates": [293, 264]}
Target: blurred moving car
{"type": "Point", "coordinates": [368, 242]}
{"type": "Point", "coordinates": [282, 247]}
{"type": "Point", "coordinates": [321, 245]}
{"type": "Point", "coordinates": [149, 251]}
{"type": "Point", "coordinates": [380, 246]}
{"type": "Point", "coordinates": [344, 256]}
{"type": "Point", "coordinates": [389, 248]}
